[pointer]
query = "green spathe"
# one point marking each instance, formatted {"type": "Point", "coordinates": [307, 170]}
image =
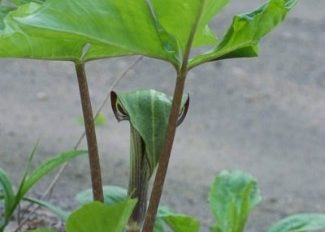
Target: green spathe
{"type": "Point", "coordinates": [148, 112]}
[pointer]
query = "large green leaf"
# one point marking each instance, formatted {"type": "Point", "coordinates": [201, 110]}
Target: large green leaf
{"type": "Point", "coordinates": [8, 194]}
{"type": "Point", "coordinates": [300, 223]}
{"type": "Point", "coordinates": [4, 10]}
{"type": "Point", "coordinates": [44, 169]}
{"type": "Point", "coordinates": [179, 16]}
{"type": "Point", "coordinates": [21, 2]}
{"type": "Point", "coordinates": [100, 217]}
{"type": "Point", "coordinates": [232, 197]}
{"type": "Point", "coordinates": [148, 112]}
{"type": "Point", "coordinates": [19, 40]}
{"type": "Point", "coordinates": [204, 35]}
{"type": "Point", "coordinates": [243, 36]}
{"type": "Point", "coordinates": [112, 194]}
{"type": "Point", "coordinates": [93, 29]}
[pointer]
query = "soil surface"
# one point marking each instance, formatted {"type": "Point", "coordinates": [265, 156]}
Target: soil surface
{"type": "Point", "coordinates": [263, 115]}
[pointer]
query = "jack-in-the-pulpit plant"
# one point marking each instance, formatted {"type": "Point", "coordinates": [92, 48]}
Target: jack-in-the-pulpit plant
{"type": "Point", "coordinates": [147, 111]}
{"type": "Point", "coordinates": [86, 30]}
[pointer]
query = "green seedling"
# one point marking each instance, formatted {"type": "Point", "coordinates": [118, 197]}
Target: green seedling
{"type": "Point", "coordinates": [10, 199]}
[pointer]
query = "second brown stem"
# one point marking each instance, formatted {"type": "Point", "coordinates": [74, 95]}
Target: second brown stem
{"type": "Point", "coordinates": [94, 162]}
{"type": "Point", "coordinates": [165, 154]}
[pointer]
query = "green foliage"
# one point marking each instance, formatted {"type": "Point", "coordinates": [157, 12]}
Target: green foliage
{"type": "Point", "coordinates": [165, 216]}
{"type": "Point", "coordinates": [100, 217]}
{"type": "Point", "coordinates": [12, 200]}
{"type": "Point", "coordinates": [148, 112]}
{"type": "Point", "coordinates": [300, 223]}
{"type": "Point", "coordinates": [112, 194]}
{"type": "Point", "coordinates": [93, 29]}
{"type": "Point", "coordinates": [178, 18]}
{"type": "Point", "coordinates": [8, 195]}
{"type": "Point", "coordinates": [232, 196]}
{"type": "Point", "coordinates": [176, 222]}
{"type": "Point", "coordinates": [97, 29]}
{"type": "Point", "coordinates": [243, 36]}
{"type": "Point", "coordinates": [22, 2]}
{"type": "Point", "coordinates": [4, 10]}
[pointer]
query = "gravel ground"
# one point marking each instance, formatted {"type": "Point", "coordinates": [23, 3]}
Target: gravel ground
{"type": "Point", "coordinates": [265, 116]}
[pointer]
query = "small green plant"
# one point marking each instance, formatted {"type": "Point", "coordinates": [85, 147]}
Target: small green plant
{"type": "Point", "coordinates": [233, 196]}
{"type": "Point", "coordinates": [11, 200]}
{"type": "Point", "coordinates": [168, 30]}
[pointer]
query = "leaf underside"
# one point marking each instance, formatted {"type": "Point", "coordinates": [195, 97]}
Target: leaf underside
{"type": "Point", "coordinates": [96, 29]}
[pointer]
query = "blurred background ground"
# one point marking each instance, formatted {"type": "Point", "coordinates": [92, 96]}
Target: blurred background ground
{"type": "Point", "coordinates": [265, 116]}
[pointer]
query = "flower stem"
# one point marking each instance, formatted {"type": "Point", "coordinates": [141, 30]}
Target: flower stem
{"type": "Point", "coordinates": [171, 130]}
{"type": "Point", "coordinates": [138, 181]}
{"type": "Point", "coordinates": [164, 157]}
{"type": "Point", "coordinates": [94, 161]}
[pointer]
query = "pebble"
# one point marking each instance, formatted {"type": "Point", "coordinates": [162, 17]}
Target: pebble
{"type": "Point", "coordinates": [42, 96]}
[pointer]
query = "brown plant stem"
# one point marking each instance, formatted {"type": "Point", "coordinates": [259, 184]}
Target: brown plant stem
{"type": "Point", "coordinates": [171, 130]}
{"type": "Point", "coordinates": [94, 161]}
{"type": "Point", "coordinates": [56, 178]}
{"type": "Point", "coordinates": [49, 189]}
{"type": "Point", "coordinates": [165, 156]}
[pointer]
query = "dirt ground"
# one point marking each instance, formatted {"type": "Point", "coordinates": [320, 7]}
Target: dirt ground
{"type": "Point", "coordinates": [265, 116]}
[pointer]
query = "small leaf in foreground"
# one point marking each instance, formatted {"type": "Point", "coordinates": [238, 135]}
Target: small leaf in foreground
{"type": "Point", "coordinates": [177, 222]}
{"type": "Point", "coordinates": [98, 217]}
{"type": "Point", "coordinates": [232, 197]}
{"type": "Point", "coordinates": [300, 223]}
